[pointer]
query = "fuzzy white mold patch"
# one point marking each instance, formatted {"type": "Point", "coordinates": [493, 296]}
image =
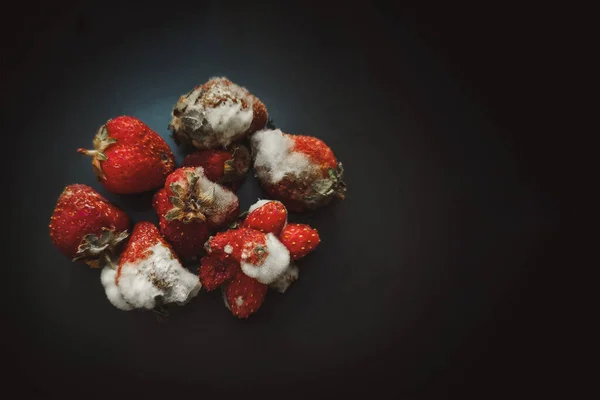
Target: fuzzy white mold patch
{"type": "Point", "coordinates": [228, 249]}
{"type": "Point", "coordinates": [107, 277]}
{"type": "Point", "coordinates": [276, 262]}
{"type": "Point", "coordinates": [258, 204]}
{"type": "Point", "coordinates": [160, 276]}
{"type": "Point", "coordinates": [289, 276]}
{"type": "Point", "coordinates": [274, 156]}
{"type": "Point", "coordinates": [224, 200]}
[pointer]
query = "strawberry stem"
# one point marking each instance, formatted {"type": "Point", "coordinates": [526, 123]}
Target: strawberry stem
{"type": "Point", "coordinates": [87, 152]}
{"type": "Point", "coordinates": [109, 261]}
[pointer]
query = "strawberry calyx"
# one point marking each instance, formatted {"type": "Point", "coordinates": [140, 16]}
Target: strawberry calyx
{"type": "Point", "coordinates": [95, 248]}
{"type": "Point", "coordinates": [238, 166]}
{"type": "Point", "coordinates": [101, 143]}
{"type": "Point", "coordinates": [332, 186]}
{"type": "Point", "coordinates": [192, 204]}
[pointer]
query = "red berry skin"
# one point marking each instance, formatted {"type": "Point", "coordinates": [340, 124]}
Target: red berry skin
{"type": "Point", "coordinates": [212, 161]}
{"type": "Point", "coordinates": [300, 239]}
{"type": "Point", "coordinates": [79, 211]}
{"type": "Point", "coordinates": [216, 269]}
{"type": "Point", "coordinates": [131, 157]}
{"type": "Point", "coordinates": [239, 240]}
{"type": "Point", "coordinates": [226, 167]}
{"type": "Point", "coordinates": [144, 236]}
{"type": "Point", "coordinates": [317, 152]}
{"type": "Point", "coordinates": [268, 218]}
{"type": "Point", "coordinates": [188, 239]}
{"type": "Point", "coordinates": [244, 295]}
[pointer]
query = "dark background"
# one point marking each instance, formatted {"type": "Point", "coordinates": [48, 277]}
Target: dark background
{"type": "Point", "coordinates": [429, 280]}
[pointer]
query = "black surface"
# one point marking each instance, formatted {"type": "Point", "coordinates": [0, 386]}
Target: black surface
{"type": "Point", "coordinates": [423, 282]}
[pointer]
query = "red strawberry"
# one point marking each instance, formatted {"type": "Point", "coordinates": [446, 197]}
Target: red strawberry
{"type": "Point", "coordinates": [187, 239]}
{"type": "Point", "coordinates": [149, 273]}
{"type": "Point", "coordinates": [244, 295]}
{"type": "Point", "coordinates": [266, 216]}
{"type": "Point", "coordinates": [213, 162]}
{"type": "Point", "coordinates": [129, 157]}
{"type": "Point", "coordinates": [85, 226]}
{"type": "Point", "coordinates": [299, 239]}
{"type": "Point", "coordinates": [216, 269]}
{"type": "Point", "coordinates": [216, 114]}
{"type": "Point", "coordinates": [301, 171]}
{"type": "Point", "coordinates": [222, 166]}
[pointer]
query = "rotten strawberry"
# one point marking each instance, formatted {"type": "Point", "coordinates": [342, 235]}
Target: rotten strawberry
{"type": "Point", "coordinates": [300, 171]}
{"type": "Point", "coordinates": [149, 273]}
{"type": "Point", "coordinates": [216, 114]}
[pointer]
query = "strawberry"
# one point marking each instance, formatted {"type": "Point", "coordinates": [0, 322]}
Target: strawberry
{"type": "Point", "coordinates": [216, 114]}
{"type": "Point", "coordinates": [148, 274]}
{"type": "Point", "coordinates": [190, 206]}
{"type": "Point", "coordinates": [129, 157]}
{"type": "Point", "coordinates": [188, 238]}
{"type": "Point", "coordinates": [86, 227]}
{"type": "Point", "coordinates": [266, 216]}
{"type": "Point", "coordinates": [244, 295]}
{"type": "Point", "coordinates": [222, 166]}
{"type": "Point", "coordinates": [216, 269]}
{"type": "Point", "coordinates": [299, 239]}
{"type": "Point", "coordinates": [300, 171]}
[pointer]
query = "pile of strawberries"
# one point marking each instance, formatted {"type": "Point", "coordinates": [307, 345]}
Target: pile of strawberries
{"type": "Point", "coordinates": [224, 127]}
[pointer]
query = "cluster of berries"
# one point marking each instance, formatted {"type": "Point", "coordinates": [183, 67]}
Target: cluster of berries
{"type": "Point", "coordinates": [225, 127]}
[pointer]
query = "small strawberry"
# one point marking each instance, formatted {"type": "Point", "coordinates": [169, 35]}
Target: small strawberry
{"type": "Point", "coordinates": [244, 295]}
{"type": "Point", "coordinates": [190, 206]}
{"type": "Point", "coordinates": [299, 239]}
{"type": "Point", "coordinates": [266, 216]}
{"type": "Point", "coordinates": [129, 157]}
{"type": "Point", "coordinates": [188, 238]}
{"type": "Point", "coordinates": [216, 269]}
{"type": "Point", "coordinates": [149, 273]}
{"type": "Point", "coordinates": [300, 171]}
{"type": "Point", "coordinates": [216, 114]}
{"type": "Point", "coordinates": [222, 166]}
{"type": "Point", "coordinates": [86, 227]}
